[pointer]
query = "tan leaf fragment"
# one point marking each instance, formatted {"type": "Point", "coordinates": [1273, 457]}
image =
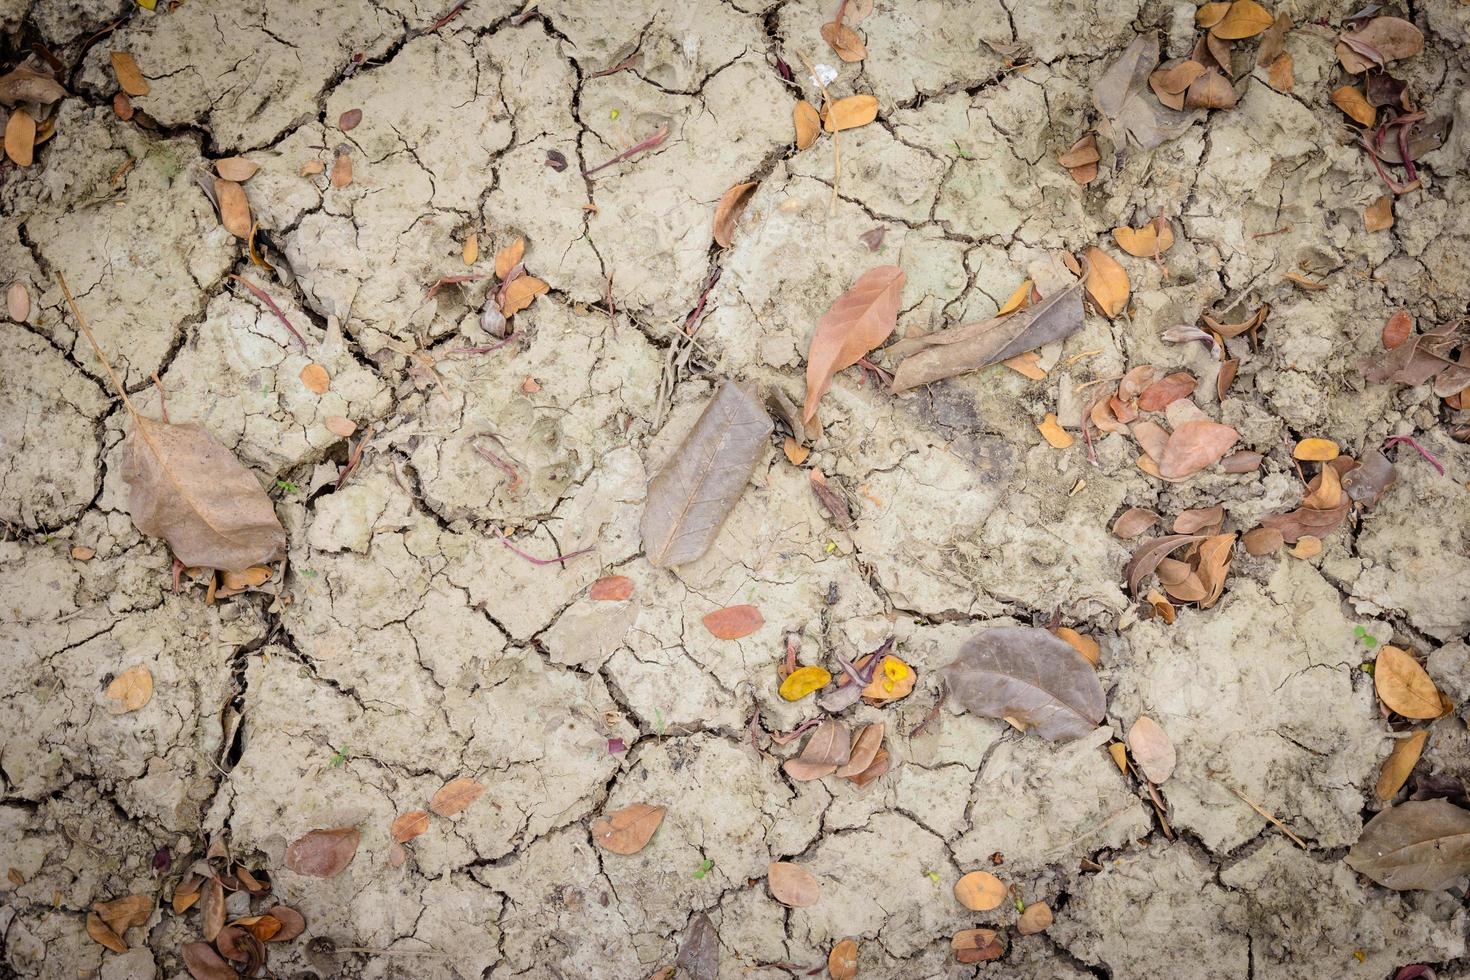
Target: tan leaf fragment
{"type": "Point", "coordinates": [322, 853]}
{"type": "Point", "coordinates": [409, 825]}
{"type": "Point", "coordinates": [850, 113]}
{"type": "Point", "coordinates": [1399, 764]}
{"type": "Point", "coordinates": [522, 291]}
{"type": "Point", "coordinates": [1107, 283]}
{"type": "Point", "coordinates": [1405, 686]}
{"type": "Point", "coordinates": [844, 41]}
{"type": "Point", "coordinates": [728, 211]}
{"type": "Point", "coordinates": [130, 690]}
{"type": "Point", "coordinates": [101, 933]}
{"type": "Point", "coordinates": [129, 76]}
{"type": "Point", "coordinates": [1152, 751]}
{"type": "Point", "coordinates": [20, 138]}
{"type": "Point", "coordinates": [980, 891]}
{"type": "Point", "coordinates": [807, 123]}
{"type": "Point", "coordinates": [627, 831]}
{"type": "Point", "coordinates": [471, 252]}
{"type": "Point", "coordinates": [1378, 216]}
{"type": "Point", "coordinates": [1053, 433]}
{"type": "Point", "coordinates": [1036, 918]}
{"type": "Point", "coordinates": [1154, 238]}
{"type": "Point", "coordinates": [792, 885]}
{"type": "Point", "coordinates": [455, 795]}
{"type": "Point", "coordinates": [234, 208]}
{"type": "Point", "coordinates": [857, 322]}
{"type": "Point", "coordinates": [1351, 101]}
{"type": "Point", "coordinates": [509, 257]}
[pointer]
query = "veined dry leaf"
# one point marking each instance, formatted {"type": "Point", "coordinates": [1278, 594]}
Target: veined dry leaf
{"type": "Point", "coordinates": [1107, 283]}
{"type": "Point", "coordinates": [693, 494]}
{"type": "Point", "coordinates": [826, 749]}
{"type": "Point", "coordinates": [1279, 75]}
{"type": "Point", "coordinates": [1391, 38]}
{"type": "Point", "coordinates": [1036, 918]}
{"type": "Point", "coordinates": [1415, 845]}
{"type": "Point", "coordinates": [20, 138]}
{"type": "Point", "coordinates": [520, 294]}
{"type": "Point", "coordinates": [728, 211]}
{"type": "Point", "coordinates": [1395, 331]}
{"type": "Point", "coordinates": [699, 954]}
{"type": "Point", "coordinates": [977, 946]}
{"type": "Point", "coordinates": [1154, 238]}
{"type": "Point", "coordinates": [1152, 751]}
{"type": "Point", "coordinates": [212, 908]}
{"type": "Point", "coordinates": [292, 924]}
{"type": "Point", "coordinates": [1027, 674]}
{"type": "Point", "coordinates": [1262, 541]}
{"type": "Point", "coordinates": [864, 750]}
{"type": "Point", "coordinates": [1157, 396]}
{"type": "Point", "coordinates": [203, 963]}
{"type": "Point", "coordinates": [1194, 446]}
{"type": "Point", "coordinates": [455, 795]}
{"type": "Point", "coordinates": [130, 690]}
{"type": "Point", "coordinates": [1133, 522]}
{"type": "Point", "coordinates": [1210, 14]}
{"type": "Point", "coordinates": [1212, 90]}
{"type": "Point", "coordinates": [1399, 764]}
{"type": "Point", "coordinates": [1404, 686]}
{"type": "Point", "coordinates": [186, 893]}
{"type": "Point", "coordinates": [792, 885]}
{"type": "Point", "coordinates": [509, 257]}
{"type": "Point", "coordinates": [1148, 555]}
{"type": "Point", "coordinates": [407, 826]}
{"type": "Point", "coordinates": [980, 891]}
{"type": "Point", "coordinates": [850, 113]}
{"type": "Point", "coordinates": [627, 831]}
{"type": "Point", "coordinates": [1130, 118]}
{"type": "Point", "coordinates": [857, 321]}
{"type": "Point", "coordinates": [842, 962]}
{"type": "Point", "coordinates": [129, 76]}
{"type": "Point", "coordinates": [612, 588]}
{"type": "Point", "coordinates": [1245, 18]}
{"type": "Point", "coordinates": [971, 346]}
{"type": "Point", "coordinates": [808, 124]}
{"type": "Point", "coordinates": [1351, 101]}
{"type": "Point", "coordinates": [1196, 520]}
{"type": "Point", "coordinates": [1378, 216]}
{"type": "Point", "coordinates": [1020, 299]}
{"type": "Point", "coordinates": [237, 169]}
{"type": "Point", "coordinates": [844, 41]}
{"type": "Point", "coordinates": [733, 622]}
{"type": "Point", "coordinates": [122, 914]}
{"type": "Point", "coordinates": [101, 933]}
{"type": "Point", "coordinates": [21, 85]}
{"type": "Point", "coordinates": [322, 853]}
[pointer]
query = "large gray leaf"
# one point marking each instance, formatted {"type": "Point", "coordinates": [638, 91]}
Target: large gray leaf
{"type": "Point", "coordinates": [191, 491]}
{"type": "Point", "coordinates": [693, 494]}
{"type": "Point", "coordinates": [971, 346]}
{"type": "Point", "coordinates": [1131, 117]}
{"type": "Point", "coordinates": [1419, 844]}
{"type": "Point", "coordinates": [1029, 675]}
{"type": "Point", "coordinates": [699, 953]}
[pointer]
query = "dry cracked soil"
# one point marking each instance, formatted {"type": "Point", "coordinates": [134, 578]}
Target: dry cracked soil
{"type": "Point", "coordinates": [404, 645]}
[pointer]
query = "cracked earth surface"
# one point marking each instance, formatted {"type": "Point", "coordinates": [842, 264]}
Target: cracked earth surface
{"type": "Point", "coordinates": [408, 640]}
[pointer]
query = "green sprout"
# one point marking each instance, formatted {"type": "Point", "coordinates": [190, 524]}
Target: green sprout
{"type": "Point", "coordinates": [658, 722]}
{"type": "Point", "coordinates": [287, 487]}
{"type": "Point", "coordinates": [964, 154]}
{"type": "Point", "coordinates": [931, 875]}
{"type": "Point", "coordinates": [308, 572]}
{"type": "Point", "coordinates": [1369, 640]}
{"type": "Point", "coordinates": [339, 759]}
{"type": "Point", "coordinates": [704, 867]}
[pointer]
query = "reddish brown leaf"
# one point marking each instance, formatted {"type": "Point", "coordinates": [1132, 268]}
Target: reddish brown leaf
{"type": "Point", "coordinates": [292, 924]}
{"type": "Point", "coordinates": [349, 119]}
{"type": "Point", "coordinates": [858, 321]}
{"type": "Point", "coordinates": [627, 831]}
{"type": "Point", "coordinates": [728, 212]}
{"type": "Point", "coordinates": [844, 41]}
{"type": "Point", "coordinates": [1157, 396]}
{"type": "Point", "coordinates": [1194, 446]}
{"type": "Point", "coordinates": [1133, 522]}
{"type": "Point", "coordinates": [323, 853]}
{"type": "Point", "coordinates": [101, 933]}
{"type": "Point", "coordinates": [613, 588]}
{"type": "Point", "coordinates": [733, 622]}
{"type": "Point", "coordinates": [1148, 555]}
{"type": "Point", "coordinates": [792, 885]}
{"type": "Point", "coordinates": [1397, 329]}
{"type": "Point", "coordinates": [1262, 541]}
{"type": "Point", "coordinates": [203, 963]}
{"type": "Point", "coordinates": [977, 946]}
{"type": "Point", "coordinates": [212, 908]}
{"type": "Point", "coordinates": [455, 796]}
{"type": "Point", "coordinates": [409, 825]}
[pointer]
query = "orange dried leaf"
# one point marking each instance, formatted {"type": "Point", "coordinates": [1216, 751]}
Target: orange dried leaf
{"type": "Point", "coordinates": [977, 946]}
{"type": "Point", "coordinates": [409, 825]}
{"type": "Point", "coordinates": [1084, 645]}
{"type": "Point", "coordinates": [129, 76]}
{"type": "Point", "coordinates": [1397, 329]}
{"type": "Point", "coordinates": [733, 622]}
{"type": "Point", "coordinates": [471, 253]}
{"type": "Point", "coordinates": [1082, 153]}
{"type": "Point", "coordinates": [1154, 238]}
{"type": "Point", "coordinates": [237, 169]}
{"type": "Point", "coordinates": [1279, 75]}
{"type": "Point", "coordinates": [1107, 283]}
{"type": "Point", "coordinates": [1378, 216]}
{"type": "Point", "coordinates": [1351, 101]}
{"type": "Point", "coordinates": [1053, 433]}
{"type": "Point", "coordinates": [20, 138]}
{"type": "Point", "coordinates": [980, 891]}
{"type": "Point", "coordinates": [795, 452]}
{"type": "Point", "coordinates": [521, 293]}
{"type": "Point", "coordinates": [612, 588]}
{"type": "Point", "coordinates": [234, 208]}
{"type": "Point", "coordinates": [842, 962]}
{"type": "Point", "coordinates": [342, 170]}
{"type": "Point", "coordinates": [627, 831]}
{"type": "Point", "coordinates": [1018, 300]}
{"type": "Point", "coordinates": [1399, 764]}
{"type": "Point", "coordinates": [1194, 446]}
{"type": "Point", "coordinates": [1316, 450]}
{"type": "Point", "coordinates": [857, 322]}
{"type": "Point", "coordinates": [339, 426]}
{"type": "Point", "coordinates": [1036, 918]}
{"type": "Point", "coordinates": [1245, 18]}
{"type": "Point", "coordinates": [1307, 546]}
{"type": "Point", "coordinates": [792, 885]}
{"type": "Point", "coordinates": [850, 113]}
{"type": "Point", "coordinates": [1210, 14]}
{"type": "Point", "coordinates": [101, 933]}
{"type": "Point", "coordinates": [323, 853]}
{"type": "Point", "coordinates": [807, 123]}
{"type": "Point", "coordinates": [1263, 541]}
{"type": "Point", "coordinates": [844, 41]}
{"type": "Point", "coordinates": [728, 211]}
{"type": "Point", "coordinates": [509, 257]}
{"type": "Point", "coordinates": [455, 795]}
{"type": "Point", "coordinates": [130, 690]}
{"type": "Point", "coordinates": [1404, 686]}
{"type": "Point", "coordinates": [316, 379]}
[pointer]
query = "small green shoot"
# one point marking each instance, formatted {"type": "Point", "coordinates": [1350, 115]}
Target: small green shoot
{"type": "Point", "coordinates": [964, 154]}
{"type": "Point", "coordinates": [308, 572]}
{"type": "Point", "coordinates": [931, 875]}
{"type": "Point", "coordinates": [704, 867]}
{"type": "Point", "coordinates": [658, 722]}
{"type": "Point", "coordinates": [1368, 639]}
{"type": "Point", "coordinates": [339, 759]}
{"type": "Point", "coordinates": [287, 487]}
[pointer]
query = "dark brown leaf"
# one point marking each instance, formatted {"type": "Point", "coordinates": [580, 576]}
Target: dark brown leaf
{"type": "Point", "coordinates": [1415, 845]}
{"type": "Point", "coordinates": [627, 831]}
{"type": "Point", "coordinates": [323, 853]}
{"type": "Point", "coordinates": [1391, 38]}
{"type": "Point", "coordinates": [693, 494]}
{"type": "Point", "coordinates": [699, 953]}
{"type": "Point", "coordinates": [203, 963]}
{"type": "Point", "coordinates": [831, 499]}
{"type": "Point", "coordinates": [857, 322]}
{"type": "Point", "coordinates": [1369, 481]}
{"type": "Point", "coordinates": [1027, 674]}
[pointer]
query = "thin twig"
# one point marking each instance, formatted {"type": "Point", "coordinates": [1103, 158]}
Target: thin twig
{"type": "Point", "coordinates": [453, 13]}
{"type": "Point", "coordinates": [1413, 443]}
{"type": "Point", "coordinates": [648, 144]}
{"type": "Point", "coordinates": [515, 477]}
{"type": "Point", "coordinates": [933, 713]}
{"type": "Point", "coordinates": [352, 460]}
{"type": "Point", "coordinates": [483, 349]}
{"type": "Point", "coordinates": [542, 561]}
{"type": "Point", "coordinates": [1265, 813]}
{"type": "Point", "coordinates": [265, 298]}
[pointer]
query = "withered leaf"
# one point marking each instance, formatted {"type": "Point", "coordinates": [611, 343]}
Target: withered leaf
{"type": "Point", "coordinates": [349, 119]}
{"type": "Point", "coordinates": [733, 622]}
{"type": "Point", "coordinates": [1107, 283]}
{"type": "Point", "coordinates": [792, 885]}
{"type": "Point", "coordinates": [1405, 686]}
{"type": "Point", "coordinates": [292, 924]}
{"type": "Point", "coordinates": [1130, 118]}
{"type": "Point", "coordinates": [977, 946]}
{"type": "Point", "coordinates": [980, 891]}
{"type": "Point", "coordinates": [17, 302]}
{"type": "Point", "coordinates": [1245, 18]}
{"type": "Point", "coordinates": [1154, 238]}
{"type": "Point", "coordinates": [520, 293]}
{"type": "Point", "coordinates": [130, 690]}
{"type": "Point", "coordinates": [864, 750]}
{"type": "Point", "coordinates": [1262, 541]}
{"type": "Point", "coordinates": [850, 113]}
{"type": "Point", "coordinates": [1245, 461]}
{"type": "Point", "coordinates": [129, 76]}
{"type": "Point", "coordinates": [1378, 216]}
{"type": "Point", "coordinates": [728, 212]}
{"type": "Point", "coordinates": [1027, 674]}
{"type": "Point", "coordinates": [1133, 522]}
{"type": "Point", "coordinates": [234, 208]}
{"type": "Point", "coordinates": [188, 489]}
{"type": "Point", "coordinates": [689, 499]}
{"type": "Point", "coordinates": [1399, 764]}
{"type": "Point", "coordinates": [1198, 518]}
{"type": "Point", "coordinates": [831, 499]}
{"type": "Point", "coordinates": [856, 322]}
{"type": "Point", "coordinates": [1351, 101]}
{"type": "Point", "coordinates": [1146, 556]}
{"type": "Point", "coordinates": [237, 169]}
{"type": "Point", "coordinates": [842, 962]}
{"type": "Point", "coordinates": [1151, 748]}
{"type": "Point", "coordinates": [1080, 154]}
{"type": "Point", "coordinates": [22, 85]}
{"type": "Point", "coordinates": [627, 831]}
{"type": "Point", "coordinates": [322, 853]}
{"type": "Point", "coordinates": [612, 588]}
{"type": "Point", "coordinates": [455, 795]}
{"type": "Point", "coordinates": [807, 123]}
{"type": "Point", "coordinates": [509, 257]}
{"type": "Point", "coordinates": [971, 346]}
{"type": "Point", "coordinates": [1415, 845]}
{"type": "Point", "coordinates": [1306, 522]}
{"type": "Point", "coordinates": [829, 745]}
{"type": "Point", "coordinates": [1157, 396]}
{"type": "Point", "coordinates": [103, 934]}
{"type": "Point", "coordinates": [1170, 84]}
{"type": "Point", "coordinates": [122, 914]}
{"type": "Point", "coordinates": [1214, 563]}
{"type": "Point", "coordinates": [699, 954]}
{"type": "Point", "coordinates": [1391, 38]}
{"type": "Point", "coordinates": [203, 963]}
{"type": "Point", "coordinates": [1273, 42]}
{"type": "Point", "coordinates": [409, 825]}
{"type": "Point", "coordinates": [844, 41]}
{"type": "Point", "coordinates": [1211, 90]}
{"type": "Point", "coordinates": [1370, 480]}
{"type": "Point", "coordinates": [20, 138]}
{"type": "Point", "coordinates": [1194, 446]}
{"type": "Point", "coordinates": [1396, 329]}
{"type": "Point", "coordinates": [342, 168]}
{"type": "Point", "coordinates": [878, 768]}
{"type": "Point", "coordinates": [212, 908]}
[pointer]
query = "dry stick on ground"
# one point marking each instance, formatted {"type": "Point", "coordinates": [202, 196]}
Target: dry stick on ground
{"type": "Point", "coordinates": [836, 146]}
{"type": "Point", "coordinates": [265, 298]}
{"type": "Point", "coordinates": [648, 144]}
{"type": "Point", "coordinates": [1265, 813]}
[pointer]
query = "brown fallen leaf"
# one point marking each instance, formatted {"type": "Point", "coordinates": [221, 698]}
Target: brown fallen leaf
{"type": "Point", "coordinates": [1388, 38]}
{"type": "Point", "coordinates": [409, 825]}
{"type": "Point", "coordinates": [977, 946]}
{"type": "Point", "coordinates": [509, 257]}
{"type": "Point", "coordinates": [844, 41]}
{"type": "Point", "coordinates": [627, 831]}
{"type": "Point", "coordinates": [521, 292]}
{"type": "Point", "coordinates": [1158, 396]}
{"type": "Point", "coordinates": [1310, 285]}
{"type": "Point", "coordinates": [1421, 844]}
{"type": "Point", "coordinates": [1027, 674]}
{"type": "Point", "coordinates": [316, 379]}
{"type": "Point", "coordinates": [728, 211]}
{"type": "Point", "coordinates": [22, 85]}
{"type": "Point", "coordinates": [1056, 436]}
{"type": "Point", "coordinates": [733, 622]}
{"type": "Point", "coordinates": [20, 138]}
{"type": "Point", "coordinates": [1262, 541]}
{"type": "Point", "coordinates": [612, 588]}
{"type": "Point", "coordinates": [349, 119]}
{"type": "Point", "coordinates": [1215, 554]}
{"type": "Point", "coordinates": [1244, 461]}
{"type": "Point", "coordinates": [689, 499]}
{"type": "Point", "coordinates": [1244, 18]}
{"type": "Point", "coordinates": [1351, 101]}
{"type": "Point", "coordinates": [471, 252]}
{"type": "Point", "coordinates": [339, 426]}
{"type": "Point", "coordinates": [1212, 90]}
{"type": "Point", "coordinates": [1107, 283]}
{"type": "Point", "coordinates": [1148, 555]}
{"type": "Point", "coordinates": [1133, 522]}
{"type": "Point", "coordinates": [1399, 764]}
{"type": "Point", "coordinates": [856, 322]}
{"type": "Point", "coordinates": [1279, 75]}
{"type": "Point", "coordinates": [864, 750]}
{"type": "Point", "coordinates": [323, 853]}
{"type": "Point", "coordinates": [212, 907]}
{"type": "Point", "coordinates": [292, 924]}
{"type": "Point", "coordinates": [455, 795]}
{"type": "Point", "coordinates": [1153, 753]}
{"type": "Point", "coordinates": [980, 891]}
{"type": "Point", "coordinates": [1036, 918]}
{"type": "Point", "coordinates": [1404, 686]}
{"type": "Point", "coordinates": [1082, 153]}
{"type": "Point", "coordinates": [807, 123]}
{"type": "Point", "coordinates": [234, 208]}
{"type": "Point", "coordinates": [1170, 84]}
{"type": "Point", "coordinates": [850, 113]}
{"type": "Point", "coordinates": [130, 690]}
{"type": "Point", "coordinates": [1194, 446]}
{"type": "Point", "coordinates": [827, 748]}
{"type": "Point", "coordinates": [1210, 14]}
{"type": "Point", "coordinates": [342, 168]}
{"type": "Point", "coordinates": [842, 962]}
{"type": "Point", "coordinates": [312, 167]}
{"type": "Point", "coordinates": [796, 453]}
{"type": "Point", "coordinates": [1395, 331]}
{"type": "Point", "coordinates": [1085, 645]}
{"type": "Point", "coordinates": [203, 963]}
{"type": "Point", "coordinates": [832, 499]}
{"type": "Point", "coordinates": [101, 933]}
{"type": "Point", "coordinates": [792, 885]}
{"type": "Point", "coordinates": [1154, 238]}
{"type": "Point", "coordinates": [129, 76]}
{"type": "Point", "coordinates": [880, 766]}
{"type": "Point", "coordinates": [1129, 117]}
{"type": "Point", "coordinates": [699, 954]}
{"type": "Point", "coordinates": [237, 169]}
{"type": "Point", "coordinates": [1378, 216]}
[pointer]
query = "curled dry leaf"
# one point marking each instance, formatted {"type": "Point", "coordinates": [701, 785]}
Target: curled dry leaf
{"type": "Point", "coordinates": [1378, 216]}
{"type": "Point", "coordinates": [130, 690]}
{"type": "Point", "coordinates": [103, 934]}
{"type": "Point", "coordinates": [455, 795]}
{"type": "Point", "coordinates": [844, 41]}
{"type": "Point", "coordinates": [521, 292]}
{"type": "Point", "coordinates": [1036, 918]}
{"type": "Point", "coordinates": [807, 123]}
{"type": "Point", "coordinates": [323, 853]}
{"type": "Point", "coordinates": [1056, 436]}
{"type": "Point", "coordinates": [237, 169]}
{"type": "Point", "coordinates": [728, 211]}
{"type": "Point", "coordinates": [1399, 764]}
{"type": "Point", "coordinates": [1245, 18]}
{"type": "Point", "coordinates": [1148, 555]}
{"type": "Point", "coordinates": [612, 588]}
{"type": "Point", "coordinates": [509, 257]}
{"type": "Point", "coordinates": [977, 946]}
{"type": "Point", "coordinates": [733, 622]}
{"type": "Point", "coordinates": [1029, 675]}
{"type": "Point", "coordinates": [792, 885]}
{"type": "Point", "coordinates": [864, 750]}
{"type": "Point", "coordinates": [1129, 117]}
{"type": "Point", "coordinates": [1153, 753]}
{"type": "Point", "coordinates": [1391, 38]}
{"type": "Point", "coordinates": [342, 169]}
{"type": "Point", "coordinates": [689, 499]}
{"type": "Point", "coordinates": [1194, 446]}
{"type": "Point", "coordinates": [203, 963]}
{"type": "Point", "coordinates": [1083, 644]}
{"type": "Point", "coordinates": [627, 831]}
{"type": "Point", "coordinates": [1415, 845]}
{"type": "Point", "coordinates": [20, 138]}
{"type": "Point", "coordinates": [1107, 283]}
{"type": "Point", "coordinates": [980, 891]}
{"type": "Point", "coordinates": [850, 113]}
{"type": "Point", "coordinates": [842, 962]}
{"type": "Point", "coordinates": [1351, 101]}
{"type": "Point", "coordinates": [1263, 541]}
{"type": "Point", "coordinates": [1133, 522]}
{"type": "Point", "coordinates": [409, 825]}
{"type": "Point", "coordinates": [857, 321]}
{"type": "Point", "coordinates": [1154, 238]}
{"type": "Point", "coordinates": [796, 453]}
{"type": "Point", "coordinates": [1404, 686]}
{"type": "Point", "coordinates": [292, 924]}
{"type": "Point", "coordinates": [129, 76]}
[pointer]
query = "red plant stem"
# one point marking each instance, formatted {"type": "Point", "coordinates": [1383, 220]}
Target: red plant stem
{"type": "Point", "coordinates": [1414, 443]}
{"type": "Point", "coordinates": [510, 277]}
{"type": "Point", "coordinates": [453, 13]}
{"type": "Point", "coordinates": [352, 460]}
{"type": "Point", "coordinates": [265, 298]}
{"type": "Point", "coordinates": [515, 478]}
{"type": "Point", "coordinates": [541, 561]}
{"type": "Point", "coordinates": [482, 350]}
{"type": "Point", "coordinates": [933, 713]}
{"type": "Point", "coordinates": [648, 144]}
{"type": "Point", "coordinates": [450, 281]}
{"type": "Point", "coordinates": [694, 314]}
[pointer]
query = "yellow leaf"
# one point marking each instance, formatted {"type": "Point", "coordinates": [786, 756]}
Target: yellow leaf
{"type": "Point", "coordinates": [851, 112]}
{"type": "Point", "coordinates": [1316, 450]}
{"type": "Point", "coordinates": [1107, 283]}
{"type": "Point", "coordinates": [1399, 764]}
{"type": "Point", "coordinates": [1120, 756]}
{"type": "Point", "coordinates": [1018, 300]}
{"type": "Point", "coordinates": [1404, 686]}
{"type": "Point", "coordinates": [893, 680]}
{"type": "Point", "coordinates": [1351, 101]}
{"type": "Point", "coordinates": [1245, 18]}
{"type": "Point", "coordinates": [1154, 238]}
{"type": "Point", "coordinates": [471, 249]}
{"type": "Point", "coordinates": [808, 124]}
{"type": "Point", "coordinates": [803, 681]}
{"type": "Point", "coordinates": [520, 293]}
{"type": "Point", "coordinates": [1053, 433]}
